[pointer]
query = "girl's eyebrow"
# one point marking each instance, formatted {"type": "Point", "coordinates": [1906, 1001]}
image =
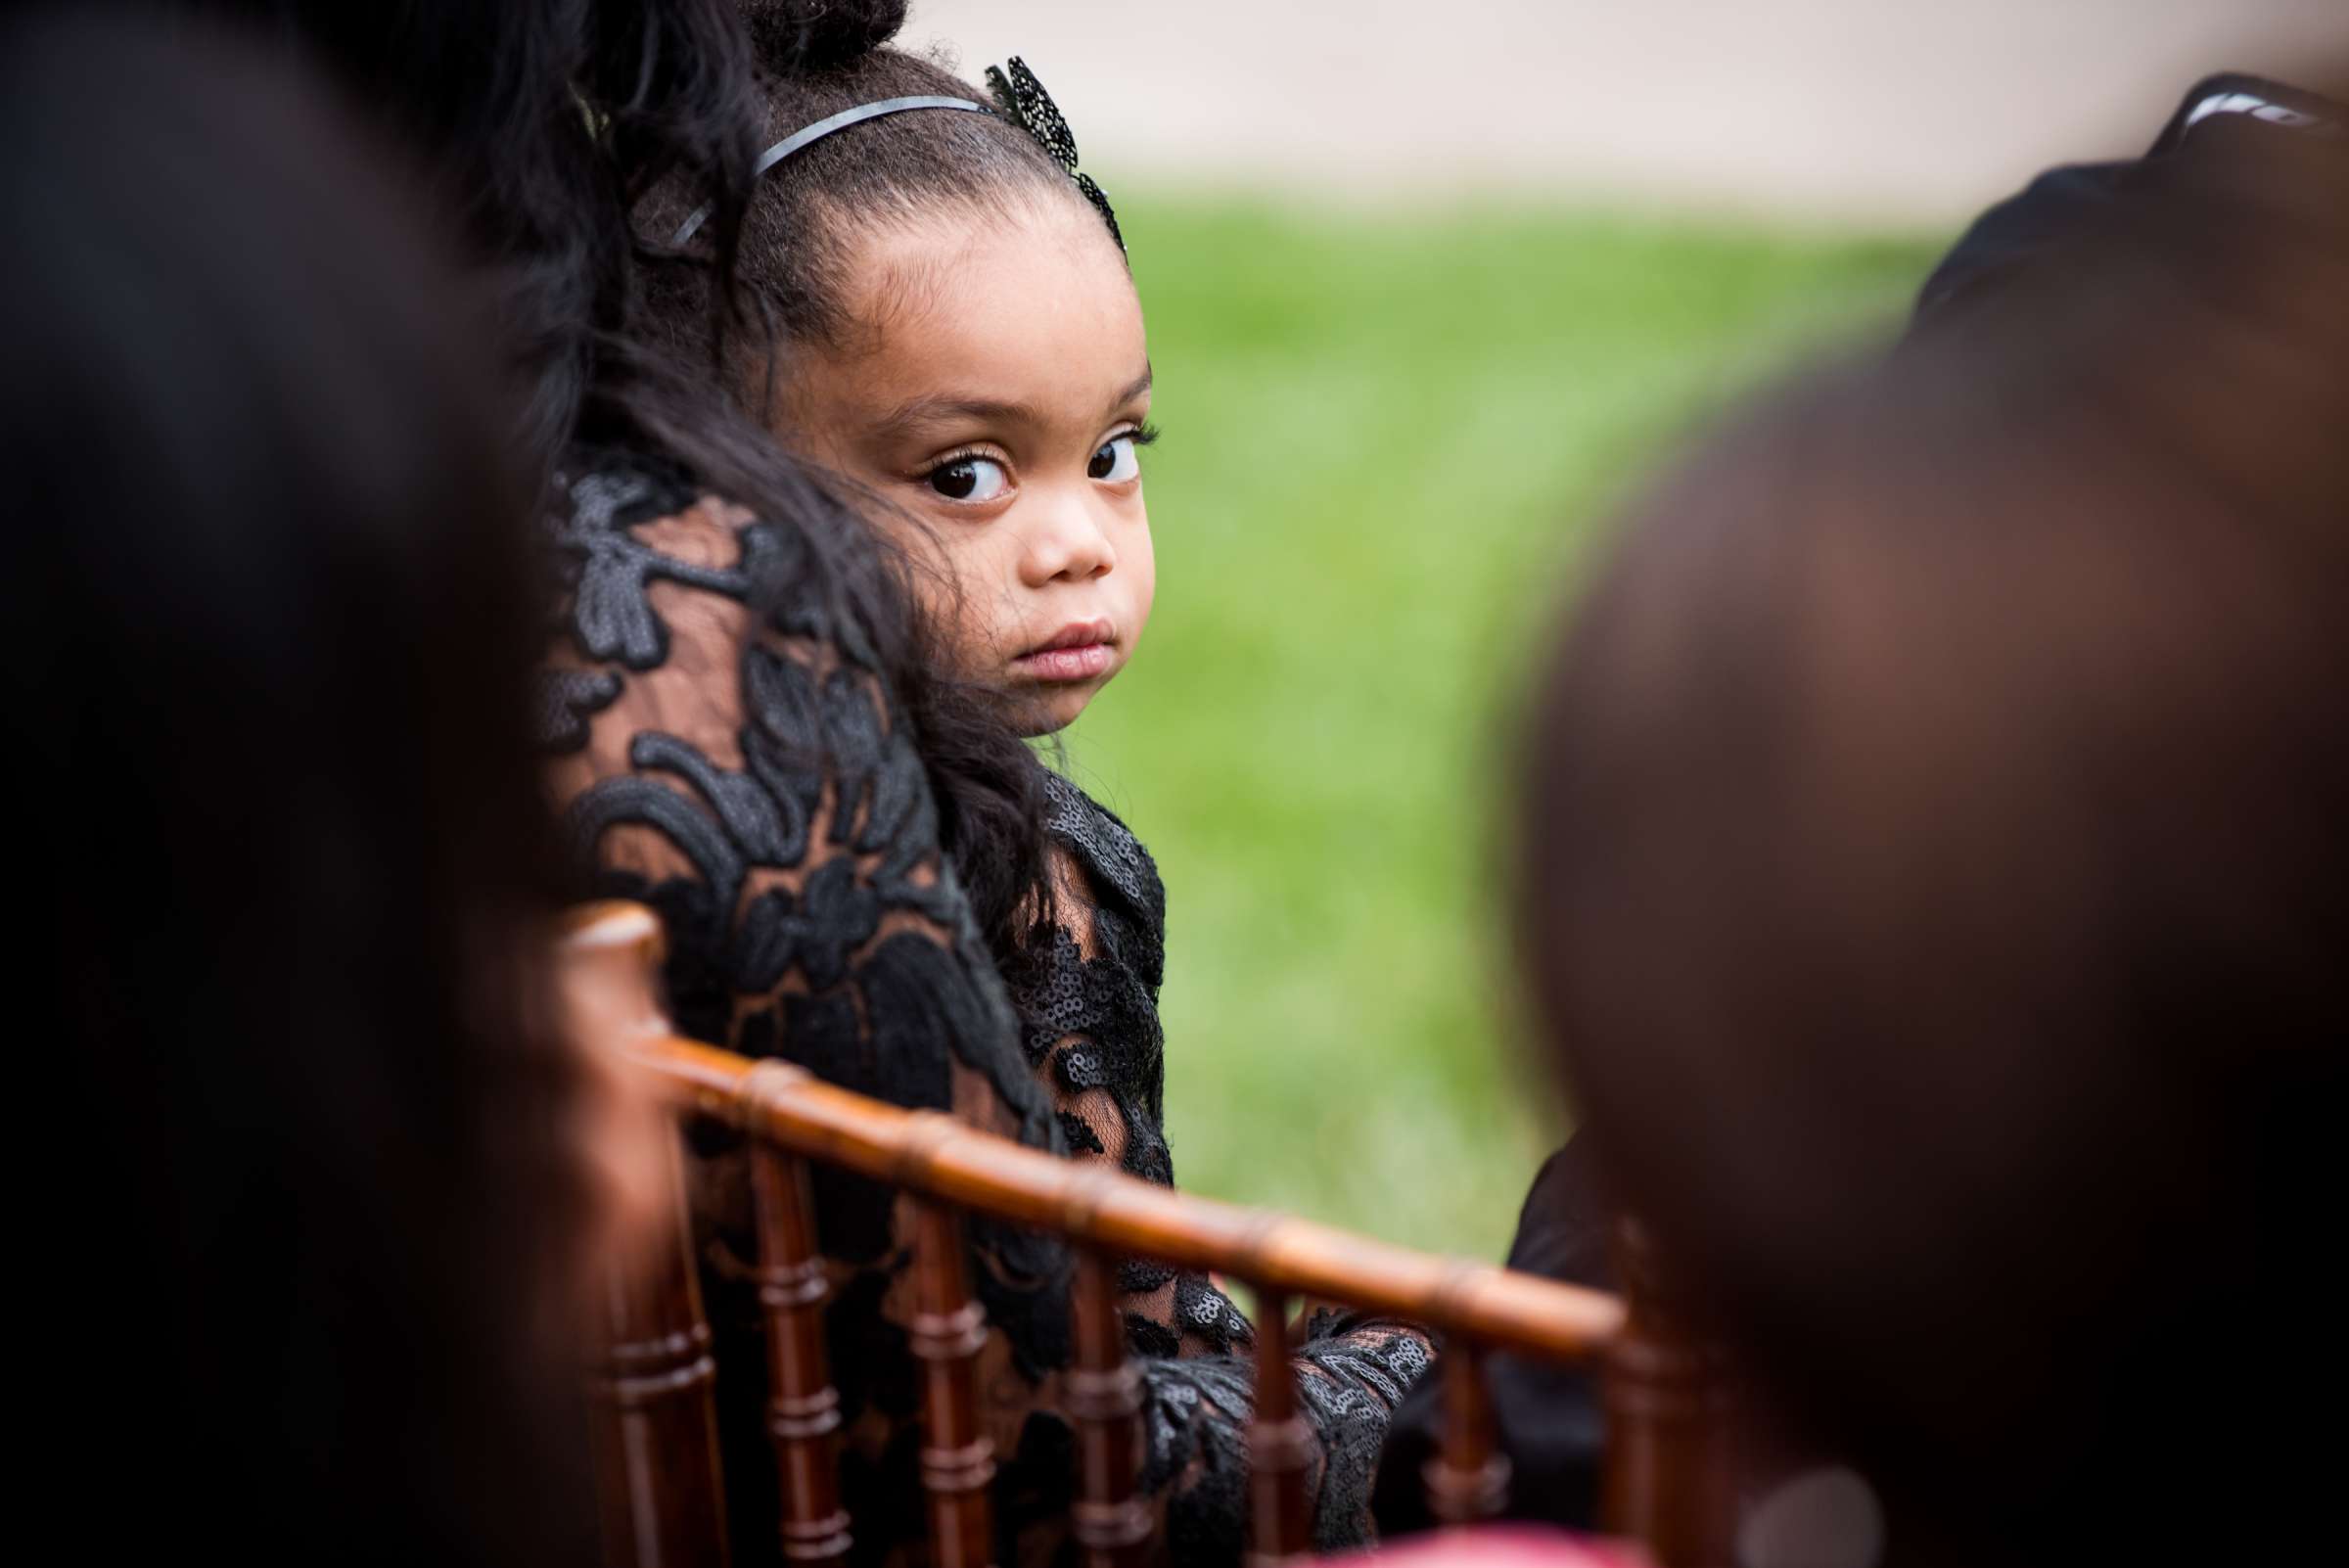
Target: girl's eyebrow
{"type": "Point", "coordinates": [1135, 389]}
{"type": "Point", "coordinates": [924, 411]}
{"type": "Point", "coordinates": [912, 416]}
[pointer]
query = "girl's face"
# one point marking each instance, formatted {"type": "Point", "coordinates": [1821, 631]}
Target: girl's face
{"type": "Point", "coordinates": [996, 388]}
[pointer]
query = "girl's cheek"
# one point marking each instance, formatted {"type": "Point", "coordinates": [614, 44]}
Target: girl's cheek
{"type": "Point", "coordinates": [987, 577]}
{"type": "Point", "coordinates": [970, 587]}
{"type": "Point", "coordinates": [973, 625]}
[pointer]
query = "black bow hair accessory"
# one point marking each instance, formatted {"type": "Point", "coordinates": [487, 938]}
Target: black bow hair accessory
{"type": "Point", "coordinates": [1021, 99]}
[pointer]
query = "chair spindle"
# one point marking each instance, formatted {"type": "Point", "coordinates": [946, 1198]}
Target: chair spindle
{"type": "Point", "coordinates": [802, 1407]}
{"type": "Point", "coordinates": [1468, 1478]}
{"type": "Point", "coordinates": [655, 1438]}
{"type": "Point", "coordinates": [949, 1328]}
{"type": "Point", "coordinates": [1105, 1397]}
{"type": "Point", "coordinates": [1281, 1444]}
{"type": "Point", "coordinates": [1667, 1479]}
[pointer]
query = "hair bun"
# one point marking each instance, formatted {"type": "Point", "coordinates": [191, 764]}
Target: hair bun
{"type": "Point", "coordinates": [795, 35]}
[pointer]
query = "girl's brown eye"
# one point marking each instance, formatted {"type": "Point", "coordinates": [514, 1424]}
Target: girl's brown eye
{"type": "Point", "coordinates": [1116, 462]}
{"type": "Point", "coordinates": [968, 479]}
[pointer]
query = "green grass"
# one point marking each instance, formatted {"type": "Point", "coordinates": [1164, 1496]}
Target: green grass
{"type": "Point", "coordinates": [1390, 439]}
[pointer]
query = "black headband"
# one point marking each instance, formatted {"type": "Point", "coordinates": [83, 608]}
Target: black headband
{"type": "Point", "coordinates": [1020, 99]}
{"type": "Point", "coordinates": [822, 128]}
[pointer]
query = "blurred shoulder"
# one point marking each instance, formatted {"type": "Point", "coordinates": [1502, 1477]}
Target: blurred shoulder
{"type": "Point", "coordinates": [2229, 120]}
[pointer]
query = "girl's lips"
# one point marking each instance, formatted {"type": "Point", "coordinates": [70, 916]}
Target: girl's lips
{"type": "Point", "coordinates": [1079, 662]}
{"type": "Point", "coordinates": [1078, 651]}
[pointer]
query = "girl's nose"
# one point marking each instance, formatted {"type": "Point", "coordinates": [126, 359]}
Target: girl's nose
{"type": "Point", "coordinates": [1067, 543]}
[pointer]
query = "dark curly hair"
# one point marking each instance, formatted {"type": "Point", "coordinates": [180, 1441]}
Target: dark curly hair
{"type": "Point", "coordinates": [544, 124]}
{"type": "Point", "coordinates": [815, 59]}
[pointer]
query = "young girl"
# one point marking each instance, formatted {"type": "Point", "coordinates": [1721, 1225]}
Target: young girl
{"type": "Point", "coordinates": [959, 338]}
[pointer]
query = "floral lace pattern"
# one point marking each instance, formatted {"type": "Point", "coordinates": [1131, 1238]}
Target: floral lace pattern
{"type": "Point", "coordinates": [1087, 998]}
{"type": "Point", "coordinates": [723, 752]}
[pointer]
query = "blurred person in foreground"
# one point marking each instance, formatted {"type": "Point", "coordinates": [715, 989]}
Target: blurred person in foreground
{"type": "Point", "coordinates": [2063, 246]}
{"type": "Point", "coordinates": [310, 1238]}
{"type": "Point", "coordinates": [1936, 884]}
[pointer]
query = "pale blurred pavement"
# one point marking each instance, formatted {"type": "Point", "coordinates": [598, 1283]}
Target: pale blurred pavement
{"type": "Point", "coordinates": [1901, 112]}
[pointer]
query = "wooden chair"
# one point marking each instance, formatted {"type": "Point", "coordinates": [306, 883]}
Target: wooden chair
{"type": "Point", "coordinates": [1664, 1481]}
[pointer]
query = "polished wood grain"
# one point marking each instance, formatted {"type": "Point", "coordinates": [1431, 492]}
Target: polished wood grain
{"type": "Point", "coordinates": [1468, 1479]}
{"type": "Point", "coordinates": [1280, 1445]}
{"type": "Point", "coordinates": [971, 1169]}
{"type": "Point", "coordinates": [949, 1331]}
{"type": "Point", "coordinates": [1105, 1401]}
{"type": "Point", "coordinates": [654, 1427]}
{"type": "Point", "coordinates": [1667, 1477]}
{"type": "Point", "coordinates": [802, 1407]}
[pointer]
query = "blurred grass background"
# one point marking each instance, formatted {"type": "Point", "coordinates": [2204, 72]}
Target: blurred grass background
{"type": "Point", "coordinates": [1390, 439]}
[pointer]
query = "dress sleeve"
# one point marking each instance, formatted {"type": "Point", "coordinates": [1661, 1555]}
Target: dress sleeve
{"type": "Point", "coordinates": [718, 751]}
{"type": "Point", "coordinates": [1087, 998]}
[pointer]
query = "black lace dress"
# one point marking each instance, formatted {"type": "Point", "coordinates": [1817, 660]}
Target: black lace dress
{"type": "Point", "coordinates": [722, 752]}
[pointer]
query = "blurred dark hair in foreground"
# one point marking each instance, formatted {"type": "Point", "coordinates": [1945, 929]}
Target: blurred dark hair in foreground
{"type": "Point", "coordinates": [297, 1253]}
{"type": "Point", "coordinates": [1937, 879]}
